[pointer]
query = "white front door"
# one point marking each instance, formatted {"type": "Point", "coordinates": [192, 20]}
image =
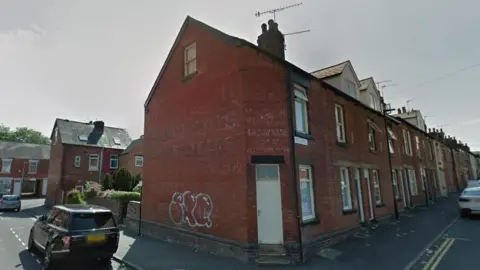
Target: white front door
{"type": "Point", "coordinates": [366, 175]}
{"type": "Point", "coordinates": [269, 204]}
{"type": "Point", "coordinates": [17, 187]}
{"type": "Point", "coordinates": [358, 181]}
{"type": "Point", "coordinates": [44, 186]}
{"type": "Point", "coordinates": [402, 186]}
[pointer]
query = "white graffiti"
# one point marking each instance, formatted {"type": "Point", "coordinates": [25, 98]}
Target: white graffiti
{"type": "Point", "coordinates": [192, 209]}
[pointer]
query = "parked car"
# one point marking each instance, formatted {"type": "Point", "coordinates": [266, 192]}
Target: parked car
{"type": "Point", "coordinates": [10, 202]}
{"type": "Point", "coordinates": [71, 232]}
{"type": "Point", "coordinates": [473, 183]}
{"type": "Point", "coordinates": [469, 201]}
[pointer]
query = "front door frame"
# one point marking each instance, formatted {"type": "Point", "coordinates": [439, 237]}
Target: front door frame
{"type": "Point", "coordinates": [358, 182]}
{"type": "Point", "coordinates": [366, 175]}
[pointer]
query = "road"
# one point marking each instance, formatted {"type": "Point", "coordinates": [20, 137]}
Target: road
{"type": "Point", "coordinates": [14, 230]}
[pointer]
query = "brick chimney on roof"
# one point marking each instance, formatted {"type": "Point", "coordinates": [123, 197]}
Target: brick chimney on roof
{"type": "Point", "coordinates": [272, 40]}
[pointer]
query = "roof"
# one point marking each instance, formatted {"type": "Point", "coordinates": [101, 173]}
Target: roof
{"type": "Point", "coordinates": [24, 150]}
{"type": "Point", "coordinates": [82, 208]}
{"type": "Point", "coordinates": [365, 83]}
{"type": "Point", "coordinates": [132, 145]}
{"type": "Point", "coordinates": [70, 131]}
{"type": "Point", "coordinates": [330, 71]}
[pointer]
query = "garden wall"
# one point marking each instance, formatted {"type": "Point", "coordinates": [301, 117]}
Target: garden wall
{"type": "Point", "coordinates": [114, 206]}
{"type": "Point", "coordinates": [133, 214]}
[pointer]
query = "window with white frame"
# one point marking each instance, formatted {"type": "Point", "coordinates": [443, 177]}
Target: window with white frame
{"type": "Point", "coordinates": [412, 180]}
{"type": "Point", "coordinates": [138, 161]}
{"type": "Point", "coordinates": [79, 188]}
{"type": "Point", "coordinates": [77, 162]}
{"type": "Point", "coordinates": [351, 89]}
{"type": "Point", "coordinates": [346, 191]}
{"type": "Point", "coordinates": [339, 118]}
{"type": "Point", "coordinates": [373, 101]}
{"type": "Point", "coordinates": [93, 162]}
{"type": "Point", "coordinates": [371, 138]}
{"type": "Point", "coordinates": [417, 146]}
{"type": "Point", "coordinates": [301, 112]}
{"type": "Point", "coordinates": [396, 190]}
{"type": "Point", "coordinates": [32, 166]}
{"type": "Point", "coordinates": [423, 177]}
{"type": "Point", "coordinates": [376, 187]}
{"type": "Point", "coordinates": [391, 140]}
{"type": "Point", "coordinates": [6, 165]}
{"type": "Point", "coordinates": [190, 59]}
{"type": "Point", "coordinates": [407, 142]}
{"type": "Point", "coordinates": [113, 162]}
{"type": "Point", "coordinates": [306, 191]}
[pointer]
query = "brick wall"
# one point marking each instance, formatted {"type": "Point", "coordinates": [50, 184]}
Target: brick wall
{"type": "Point", "coordinates": [128, 160]}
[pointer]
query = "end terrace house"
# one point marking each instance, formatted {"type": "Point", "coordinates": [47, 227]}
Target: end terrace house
{"type": "Point", "coordinates": [82, 152]}
{"type": "Point", "coordinates": [248, 155]}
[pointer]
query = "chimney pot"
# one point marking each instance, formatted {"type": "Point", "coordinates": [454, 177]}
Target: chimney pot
{"type": "Point", "coordinates": [399, 111]}
{"type": "Point", "coordinates": [271, 39]}
{"type": "Point", "coordinates": [404, 109]}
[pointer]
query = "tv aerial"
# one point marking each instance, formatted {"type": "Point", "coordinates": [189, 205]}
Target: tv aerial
{"type": "Point", "coordinates": [274, 12]}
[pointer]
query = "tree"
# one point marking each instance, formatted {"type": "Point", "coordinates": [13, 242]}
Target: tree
{"type": "Point", "coordinates": [123, 180]}
{"type": "Point", "coordinates": [22, 134]}
{"type": "Point", "coordinates": [107, 182]}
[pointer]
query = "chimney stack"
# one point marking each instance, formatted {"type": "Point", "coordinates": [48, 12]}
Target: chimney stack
{"type": "Point", "coordinates": [399, 111]}
{"type": "Point", "coordinates": [272, 40]}
{"type": "Point", "coordinates": [404, 110]}
{"type": "Point", "coordinates": [98, 126]}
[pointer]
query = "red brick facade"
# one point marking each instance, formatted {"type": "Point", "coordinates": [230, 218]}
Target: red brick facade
{"type": "Point", "coordinates": [132, 154]}
{"type": "Point", "coordinates": [203, 133]}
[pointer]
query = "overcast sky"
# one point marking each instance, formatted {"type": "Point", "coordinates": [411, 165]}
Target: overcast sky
{"type": "Point", "coordinates": [87, 60]}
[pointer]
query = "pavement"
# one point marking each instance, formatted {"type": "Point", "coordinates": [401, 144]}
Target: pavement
{"type": "Point", "coordinates": [425, 238]}
{"type": "Point", "coordinates": [14, 231]}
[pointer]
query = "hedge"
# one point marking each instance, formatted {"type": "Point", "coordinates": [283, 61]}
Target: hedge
{"type": "Point", "coordinates": [74, 196]}
{"type": "Point", "coordinates": [124, 196]}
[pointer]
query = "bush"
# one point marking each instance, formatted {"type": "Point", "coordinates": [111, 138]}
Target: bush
{"type": "Point", "coordinates": [92, 189]}
{"type": "Point", "coordinates": [107, 182]}
{"type": "Point", "coordinates": [124, 196]}
{"type": "Point", "coordinates": [138, 187]}
{"type": "Point", "coordinates": [123, 180]}
{"type": "Point", "coordinates": [74, 196]}
{"type": "Point", "coordinates": [136, 179]}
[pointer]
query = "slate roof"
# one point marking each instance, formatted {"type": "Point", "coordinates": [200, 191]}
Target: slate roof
{"type": "Point", "coordinates": [364, 84]}
{"type": "Point", "coordinates": [132, 145]}
{"type": "Point", "coordinates": [330, 71]}
{"type": "Point", "coordinates": [70, 131]}
{"type": "Point", "coordinates": [24, 150]}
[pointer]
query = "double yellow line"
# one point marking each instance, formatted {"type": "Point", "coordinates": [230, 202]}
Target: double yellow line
{"type": "Point", "coordinates": [439, 254]}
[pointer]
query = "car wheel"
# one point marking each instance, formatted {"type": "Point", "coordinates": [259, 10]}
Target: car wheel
{"type": "Point", "coordinates": [30, 244]}
{"type": "Point", "coordinates": [47, 259]}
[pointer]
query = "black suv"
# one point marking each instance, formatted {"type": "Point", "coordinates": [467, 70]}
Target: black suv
{"type": "Point", "coordinates": [75, 232]}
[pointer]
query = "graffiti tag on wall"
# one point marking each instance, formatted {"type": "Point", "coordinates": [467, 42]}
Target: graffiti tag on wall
{"type": "Point", "coordinates": [192, 209]}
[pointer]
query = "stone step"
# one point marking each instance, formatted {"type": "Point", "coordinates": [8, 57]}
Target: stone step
{"type": "Point", "coordinates": [272, 260]}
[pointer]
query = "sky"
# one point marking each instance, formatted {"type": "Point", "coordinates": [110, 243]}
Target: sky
{"type": "Point", "coordinates": [97, 60]}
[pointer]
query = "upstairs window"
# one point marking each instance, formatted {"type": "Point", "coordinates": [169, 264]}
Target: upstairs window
{"type": "Point", "coordinates": [339, 119]}
{"type": "Point", "coordinates": [113, 162]}
{"type": "Point", "coordinates": [190, 59]}
{"type": "Point", "coordinates": [374, 102]}
{"type": "Point", "coordinates": [391, 140]}
{"type": "Point", "coordinates": [301, 115]}
{"type": "Point", "coordinates": [407, 142]}
{"type": "Point", "coordinates": [32, 166]}
{"type": "Point", "coordinates": [138, 161]}
{"type": "Point", "coordinates": [351, 89]}
{"type": "Point", "coordinates": [372, 128]}
{"type": "Point", "coordinates": [417, 146]}
{"type": "Point", "coordinates": [6, 165]}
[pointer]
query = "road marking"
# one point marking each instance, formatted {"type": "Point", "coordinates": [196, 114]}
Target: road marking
{"type": "Point", "coordinates": [18, 238]}
{"type": "Point", "coordinates": [444, 251]}
{"type": "Point", "coordinates": [437, 253]}
{"type": "Point", "coordinates": [419, 255]}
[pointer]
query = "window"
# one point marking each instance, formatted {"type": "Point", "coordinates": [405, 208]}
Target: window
{"type": "Point", "coordinates": [55, 136]}
{"type": "Point", "coordinates": [301, 115]}
{"type": "Point", "coordinates": [371, 138]}
{"type": "Point", "coordinates": [395, 185]}
{"type": "Point", "coordinates": [83, 138]}
{"type": "Point", "coordinates": [391, 138]}
{"type": "Point", "coordinates": [373, 101]}
{"type": "Point", "coordinates": [417, 146]}
{"type": "Point", "coordinates": [116, 141]}
{"type": "Point", "coordinates": [346, 192]}
{"type": "Point", "coordinates": [79, 188]}
{"type": "Point", "coordinates": [32, 166]}
{"type": "Point", "coordinates": [138, 161]}
{"type": "Point", "coordinates": [77, 161]}
{"type": "Point", "coordinates": [407, 142]}
{"type": "Point", "coordinates": [306, 191]}
{"type": "Point", "coordinates": [92, 221]}
{"type": "Point", "coordinates": [413, 182]}
{"type": "Point", "coordinates": [423, 177]}
{"type": "Point", "coordinates": [190, 59]}
{"type": "Point", "coordinates": [432, 149]}
{"type": "Point", "coordinates": [376, 187]}
{"type": "Point", "coordinates": [340, 123]}
{"type": "Point", "coordinates": [113, 161]}
{"type": "Point", "coordinates": [351, 89]}
{"type": "Point", "coordinates": [6, 165]}
{"type": "Point", "coordinates": [93, 163]}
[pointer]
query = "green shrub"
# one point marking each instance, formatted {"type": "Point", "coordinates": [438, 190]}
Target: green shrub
{"type": "Point", "coordinates": [107, 182]}
{"type": "Point", "coordinates": [136, 179]}
{"type": "Point", "coordinates": [92, 189]}
{"type": "Point", "coordinates": [123, 180]}
{"type": "Point", "coordinates": [138, 187]}
{"type": "Point", "coordinates": [124, 196]}
{"type": "Point", "coordinates": [74, 196]}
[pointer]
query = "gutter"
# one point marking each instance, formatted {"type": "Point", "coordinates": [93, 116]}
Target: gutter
{"type": "Point", "coordinates": [101, 165]}
{"type": "Point", "coordinates": [293, 158]}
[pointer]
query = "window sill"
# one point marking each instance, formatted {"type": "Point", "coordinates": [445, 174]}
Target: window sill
{"type": "Point", "coordinates": [342, 144]}
{"type": "Point", "coordinates": [380, 205]}
{"type": "Point", "coordinates": [304, 135]}
{"type": "Point", "coordinates": [93, 169]}
{"type": "Point", "coordinates": [189, 76]}
{"type": "Point", "coordinates": [310, 222]}
{"type": "Point", "coordinates": [349, 212]}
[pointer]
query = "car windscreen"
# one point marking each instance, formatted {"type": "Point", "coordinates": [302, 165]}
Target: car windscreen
{"type": "Point", "coordinates": [89, 221]}
{"type": "Point", "coordinates": [474, 192]}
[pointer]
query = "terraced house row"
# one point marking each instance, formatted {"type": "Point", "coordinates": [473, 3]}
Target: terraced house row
{"type": "Point", "coordinates": [248, 155]}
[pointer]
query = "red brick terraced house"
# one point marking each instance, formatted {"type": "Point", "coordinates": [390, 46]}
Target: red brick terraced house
{"type": "Point", "coordinates": [24, 168]}
{"type": "Point", "coordinates": [252, 157]}
{"type": "Point", "coordinates": [82, 152]}
{"type": "Point", "coordinates": [132, 157]}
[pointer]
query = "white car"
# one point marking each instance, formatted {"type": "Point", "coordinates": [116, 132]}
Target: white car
{"type": "Point", "coordinates": [469, 201]}
{"type": "Point", "coordinates": [473, 183]}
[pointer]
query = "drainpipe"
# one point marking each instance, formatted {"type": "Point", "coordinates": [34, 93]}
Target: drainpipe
{"type": "Point", "coordinates": [101, 165]}
{"type": "Point", "coordinates": [291, 111]}
{"type": "Point", "coordinates": [140, 212]}
{"type": "Point", "coordinates": [387, 136]}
